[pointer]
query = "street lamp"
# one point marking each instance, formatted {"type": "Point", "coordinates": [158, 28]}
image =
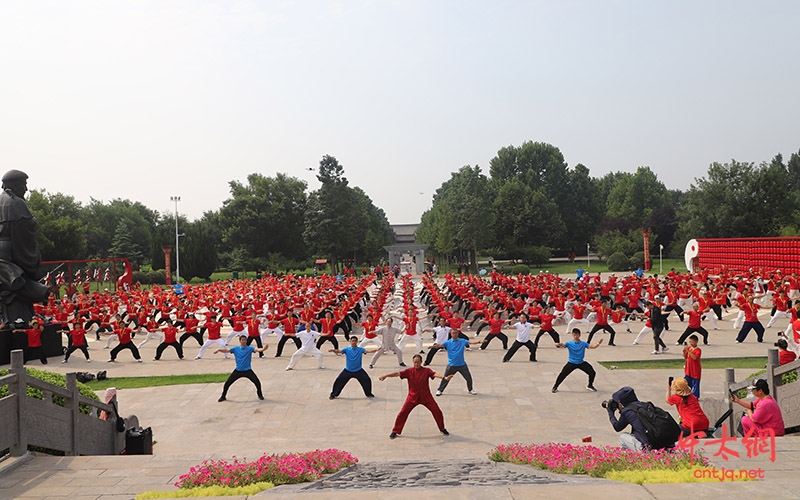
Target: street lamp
{"type": "Point", "coordinates": [588, 264]}
{"type": "Point", "coordinates": [176, 199]}
{"type": "Point", "coordinates": [660, 263]}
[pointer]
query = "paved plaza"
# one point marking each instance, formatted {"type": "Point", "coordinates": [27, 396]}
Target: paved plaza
{"type": "Point", "coordinates": [514, 404]}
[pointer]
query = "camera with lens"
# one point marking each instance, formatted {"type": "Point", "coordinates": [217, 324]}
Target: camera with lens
{"type": "Point", "coordinates": [610, 403]}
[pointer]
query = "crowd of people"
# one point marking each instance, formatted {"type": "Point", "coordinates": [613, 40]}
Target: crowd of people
{"type": "Point", "coordinates": [389, 312]}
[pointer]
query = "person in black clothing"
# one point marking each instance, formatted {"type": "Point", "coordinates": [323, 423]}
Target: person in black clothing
{"type": "Point", "coordinates": [625, 401]}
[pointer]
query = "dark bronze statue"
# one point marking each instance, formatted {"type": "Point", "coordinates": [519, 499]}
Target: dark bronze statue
{"type": "Point", "coordinates": [19, 253]}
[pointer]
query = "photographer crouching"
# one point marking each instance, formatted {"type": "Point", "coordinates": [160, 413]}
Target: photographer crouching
{"type": "Point", "coordinates": [625, 401]}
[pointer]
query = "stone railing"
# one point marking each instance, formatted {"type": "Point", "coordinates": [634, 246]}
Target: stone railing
{"type": "Point", "coordinates": [787, 395]}
{"type": "Point", "coordinates": [28, 421]}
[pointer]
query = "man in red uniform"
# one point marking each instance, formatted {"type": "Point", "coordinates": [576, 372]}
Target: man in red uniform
{"type": "Point", "coordinates": [419, 393]}
{"type": "Point", "coordinates": [34, 334]}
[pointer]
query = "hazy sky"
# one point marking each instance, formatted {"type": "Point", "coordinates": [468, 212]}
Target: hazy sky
{"type": "Point", "coordinates": [144, 100]}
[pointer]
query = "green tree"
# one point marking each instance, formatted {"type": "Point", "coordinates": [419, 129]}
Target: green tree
{"type": "Point", "coordinates": [461, 217]}
{"type": "Point", "coordinates": [736, 200]}
{"type": "Point", "coordinates": [61, 233]}
{"type": "Point", "coordinates": [102, 221]}
{"type": "Point", "coordinates": [265, 216]}
{"type": "Point", "coordinates": [124, 245]}
{"type": "Point", "coordinates": [634, 197]}
{"type": "Point", "coordinates": [335, 222]}
{"type": "Point", "coordinates": [198, 251]}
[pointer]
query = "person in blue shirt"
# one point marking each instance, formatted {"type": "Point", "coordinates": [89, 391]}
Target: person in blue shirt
{"type": "Point", "coordinates": [352, 369]}
{"type": "Point", "coordinates": [243, 354]}
{"type": "Point", "coordinates": [455, 346]}
{"type": "Point", "coordinates": [577, 349]}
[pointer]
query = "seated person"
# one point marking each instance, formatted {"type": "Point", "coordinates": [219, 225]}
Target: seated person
{"type": "Point", "coordinates": [763, 413]}
{"type": "Point", "coordinates": [785, 356]}
{"type": "Point", "coordinates": [625, 400]}
{"type": "Point", "coordinates": [693, 419]}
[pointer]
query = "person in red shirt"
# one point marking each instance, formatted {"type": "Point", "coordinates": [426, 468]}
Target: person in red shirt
{"type": "Point", "coordinates": [190, 323]}
{"type": "Point", "coordinates": [785, 356]}
{"type": "Point", "coordinates": [693, 419]}
{"type": "Point", "coordinates": [253, 325]}
{"type": "Point", "coordinates": [123, 332]}
{"type": "Point", "coordinates": [289, 325]}
{"type": "Point", "coordinates": [76, 339]}
{"type": "Point", "coordinates": [546, 326]}
{"type": "Point", "coordinates": [34, 334]}
{"type": "Point", "coordinates": [692, 369]}
{"type": "Point", "coordinates": [695, 316]}
{"type": "Point", "coordinates": [751, 322]}
{"type": "Point", "coordinates": [602, 312]}
{"type": "Point", "coordinates": [326, 326]}
{"type": "Point", "coordinates": [170, 340]}
{"type": "Point", "coordinates": [419, 393]}
{"type": "Point", "coordinates": [213, 328]}
{"type": "Point", "coordinates": [495, 331]}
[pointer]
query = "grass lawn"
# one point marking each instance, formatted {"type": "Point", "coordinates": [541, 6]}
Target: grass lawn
{"type": "Point", "coordinates": [138, 382]}
{"type": "Point", "coordinates": [671, 364]}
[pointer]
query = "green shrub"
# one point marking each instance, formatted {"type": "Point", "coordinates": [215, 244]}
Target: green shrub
{"type": "Point", "coordinates": [157, 277]}
{"type": "Point", "coordinates": [536, 255]}
{"type": "Point", "coordinates": [521, 269]}
{"type": "Point", "coordinates": [142, 277]}
{"type": "Point", "coordinates": [618, 262]}
{"type": "Point", "coordinates": [55, 379]}
{"type": "Point", "coordinates": [637, 260]}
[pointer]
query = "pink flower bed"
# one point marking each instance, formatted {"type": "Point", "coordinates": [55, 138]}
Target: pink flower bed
{"type": "Point", "coordinates": [277, 469]}
{"type": "Point", "coordinates": [591, 460]}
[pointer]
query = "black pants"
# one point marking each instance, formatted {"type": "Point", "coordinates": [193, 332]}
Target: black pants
{"type": "Point", "coordinates": [502, 336]}
{"type": "Point", "coordinates": [331, 339]}
{"type": "Point", "coordinates": [751, 325]}
{"type": "Point", "coordinates": [657, 331]}
{"type": "Point", "coordinates": [236, 375]}
{"type": "Point", "coordinates": [128, 345]}
{"type": "Point", "coordinates": [571, 367]}
{"type": "Point", "coordinates": [602, 327]}
{"type": "Point", "coordinates": [164, 345]}
{"type": "Point", "coordinates": [450, 370]}
{"type": "Point", "coordinates": [515, 347]}
{"type": "Point", "coordinates": [195, 335]}
{"type": "Point", "coordinates": [37, 352]}
{"type": "Point", "coordinates": [344, 378]}
{"type": "Point", "coordinates": [429, 357]}
{"type": "Point", "coordinates": [257, 340]}
{"type": "Point", "coordinates": [283, 341]}
{"type": "Point", "coordinates": [717, 308]}
{"type": "Point", "coordinates": [74, 348]}
{"type": "Point", "coordinates": [702, 331]}
{"type": "Point", "coordinates": [553, 335]}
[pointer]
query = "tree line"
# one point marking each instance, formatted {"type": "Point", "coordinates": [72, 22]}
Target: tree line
{"type": "Point", "coordinates": [529, 207]}
{"type": "Point", "coordinates": [268, 223]}
{"type": "Point", "coordinates": [532, 206]}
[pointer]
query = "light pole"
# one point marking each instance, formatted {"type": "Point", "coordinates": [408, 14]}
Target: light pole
{"type": "Point", "coordinates": [176, 199]}
{"type": "Point", "coordinates": [660, 260]}
{"type": "Point", "coordinates": [588, 264]}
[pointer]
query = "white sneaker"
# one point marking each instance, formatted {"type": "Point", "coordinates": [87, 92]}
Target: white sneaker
{"type": "Point", "coordinates": [139, 360]}
{"type": "Point", "coordinates": [473, 392]}
{"type": "Point", "coordinates": [88, 360]}
{"type": "Point", "coordinates": [635, 343]}
{"type": "Point", "coordinates": [63, 360]}
{"type": "Point", "coordinates": [655, 352]}
{"type": "Point", "coordinates": [438, 393]}
{"type": "Point", "coordinates": [665, 349]}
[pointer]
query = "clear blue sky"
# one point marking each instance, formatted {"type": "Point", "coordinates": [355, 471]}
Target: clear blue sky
{"type": "Point", "coordinates": [144, 100]}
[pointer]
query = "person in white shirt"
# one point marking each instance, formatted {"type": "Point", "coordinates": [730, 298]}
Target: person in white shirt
{"type": "Point", "coordinates": [523, 339]}
{"type": "Point", "coordinates": [442, 332]}
{"type": "Point", "coordinates": [388, 333]}
{"type": "Point", "coordinates": [308, 338]}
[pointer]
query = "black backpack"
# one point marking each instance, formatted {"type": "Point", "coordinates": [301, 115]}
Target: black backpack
{"type": "Point", "coordinates": [661, 429]}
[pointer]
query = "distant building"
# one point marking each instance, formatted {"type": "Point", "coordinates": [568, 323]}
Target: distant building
{"type": "Point", "coordinates": [406, 249]}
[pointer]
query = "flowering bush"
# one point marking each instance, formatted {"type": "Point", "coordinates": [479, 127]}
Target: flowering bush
{"type": "Point", "coordinates": [591, 460]}
{"type": "Point", "coordinates": [277, 469]}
